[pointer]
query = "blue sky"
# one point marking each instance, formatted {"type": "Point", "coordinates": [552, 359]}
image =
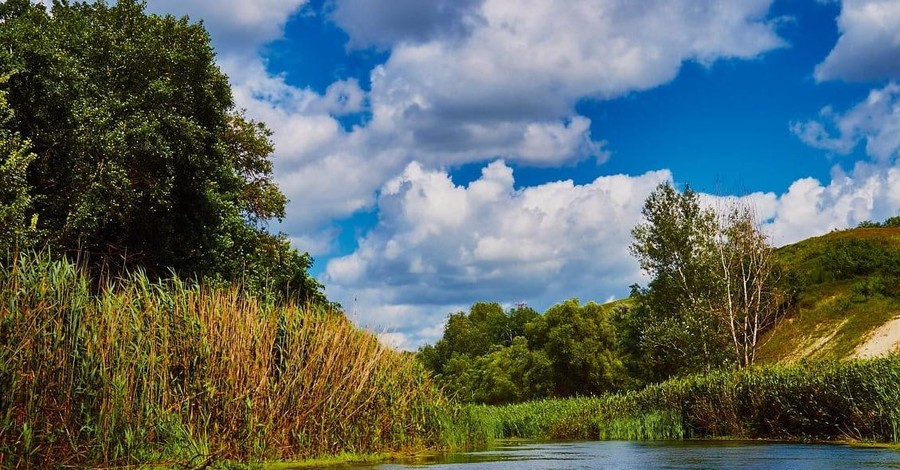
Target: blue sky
{"type": "Point", "coordinates": [442, 152]}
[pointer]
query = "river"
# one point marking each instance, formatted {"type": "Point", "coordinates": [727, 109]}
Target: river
{"type": "Point", "coordinates": [621, 455]}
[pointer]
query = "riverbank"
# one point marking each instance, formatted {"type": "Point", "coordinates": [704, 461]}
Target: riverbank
{"type": "Point", "coordinates": [809, 401]}
{"type": "Point", "coordinates": [142, 372]}
{"type": "Point", "coordinates": [836, 402]}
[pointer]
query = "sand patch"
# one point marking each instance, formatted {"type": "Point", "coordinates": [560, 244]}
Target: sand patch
{"type": "Point", "coordinates": [885, 339]}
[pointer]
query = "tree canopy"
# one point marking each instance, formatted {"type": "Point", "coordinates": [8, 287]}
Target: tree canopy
{"type": "Point", "coordinates": [140, 158]}
{"type": "Point", "coordinates": [489, 355]}
{"type": "Point", "coordinates": [675, 245]}
{"type": "Point", "coordinates": [713, 290]}
{"type": "Point", "coordinates": [15, 197]}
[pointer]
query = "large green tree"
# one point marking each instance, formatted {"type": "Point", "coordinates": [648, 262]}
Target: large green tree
{"type": "Point", "coordinates": [491, 356]}
{"type": "Point", "coordinates": [714, 289]}
{"type": "Point", "coordinates": [476, 333]}
{"type": "Point", "coordinates": [484, 356]}
{"type": "Point", "coordinates": [676, 246]}
{"type": "Point", "coordinates": [509, 374]}
{"type": "Point", "coordinates": [142, 159]}
{"type": "Point", "coordinates": [582, 345]}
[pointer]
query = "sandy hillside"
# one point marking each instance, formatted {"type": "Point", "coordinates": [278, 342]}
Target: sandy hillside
{"type": "Point", "coordinates": [883, 340]}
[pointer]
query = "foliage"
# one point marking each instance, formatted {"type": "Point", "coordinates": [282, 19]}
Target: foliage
{"type": "Point", "coordinates": [485, 357]}
{"type": "Point", "coordinates": [676, 246]}
{"type": "Point", "coordinates": [15, 198]}
{"type": "Point", "coordinates": [752, 301]}
{"type": "Point", "coordinates": [842, 256]}
{"type": "Point", "coordinates": [811, 400]}
{"type": "Point", "coordinates": [492, 356]}
{"type": "Point", "coordinates": [504, 375]}
{"type": "Point", "coordinates": [170, 372]}
{"type": "Point", "coordinates": [141, 159]}
{"type": "Point", "coordinates": [714, 290]}
{"type": "Point", "coordinates": [581, 342]}
{"type": "Point", "coordinates": [889, 222]}
{"type": "Point", "coordinates": [845, 285]}
{"type": "Point", "coordinates": [475, 333]}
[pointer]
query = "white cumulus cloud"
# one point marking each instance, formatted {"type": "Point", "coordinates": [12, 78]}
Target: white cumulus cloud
{"type": "Point", "coordinates": [236, 26]}
{"type": "Point", "coordinates": [869, 44]}
{"type": "Point", "coordinates": [438, 244]}
{"type": "Point", "coordinates": [383, 23]}
{"type": "Point", "coordinates": [875, 121]}
{"type": "Point", "coordinates": [465, 81]}
{"type": "Point", "coordinates": [499, 79]}
{"type": "Point", "coordinates": [809, 208]}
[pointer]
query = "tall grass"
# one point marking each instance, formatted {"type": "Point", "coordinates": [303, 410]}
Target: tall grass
{"type": "Point", "coordinates": [172, 372]}
{"type": "Point", "coordinates": [857, 400]}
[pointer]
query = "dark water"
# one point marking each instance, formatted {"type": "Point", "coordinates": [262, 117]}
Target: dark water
{"type": "Point", "coordinates": [619, 455]}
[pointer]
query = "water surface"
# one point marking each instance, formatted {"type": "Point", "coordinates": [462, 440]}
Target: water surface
{"type": "Point", "coordinates": [621, 455]}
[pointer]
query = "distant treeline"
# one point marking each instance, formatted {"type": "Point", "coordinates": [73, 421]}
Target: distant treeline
{"type": "Point", "coordinates": [889, 222]}
{"type": "Point", "coordinates": [489, 355]}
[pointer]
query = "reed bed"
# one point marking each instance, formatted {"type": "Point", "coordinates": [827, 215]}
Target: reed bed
{"type": "Point", "coordinates": [169, 372]}
{"type": "Point", "coordinates": [833, 400]}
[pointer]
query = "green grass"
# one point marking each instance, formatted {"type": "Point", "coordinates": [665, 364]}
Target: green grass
{"type": "Point", "coordinates": [837, 315]}
{"type": "Point", "coordinates": [169, 372]}
{"type": "Point", "coordinates": [831, 400]}
{"type": "Point", "coordinates": [344, 459]}
{"type": "Point", "coordinates": [848, 285]}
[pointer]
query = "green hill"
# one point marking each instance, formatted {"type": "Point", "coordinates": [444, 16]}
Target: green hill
{"type": "Point", "coordinates": [847, 303]}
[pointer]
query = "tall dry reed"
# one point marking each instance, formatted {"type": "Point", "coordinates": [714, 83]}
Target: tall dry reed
{"type": "Point", "coordinates": [172, 372]}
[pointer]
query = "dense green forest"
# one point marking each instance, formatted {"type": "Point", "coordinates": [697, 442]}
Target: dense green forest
{"type": "Point", "coordinates": [489, 355]}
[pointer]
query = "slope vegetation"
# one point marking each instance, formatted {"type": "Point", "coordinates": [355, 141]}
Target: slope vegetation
{"type": "Point", "coordinates": [847, 305]}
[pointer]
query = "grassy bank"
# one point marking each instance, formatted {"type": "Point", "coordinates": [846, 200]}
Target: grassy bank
{"type": "Point", "coordinates": [143, 372]}
{"type": "Point", "coordinates": [171, 372]}
{"type": "Point", "coordinates": [855, 400]}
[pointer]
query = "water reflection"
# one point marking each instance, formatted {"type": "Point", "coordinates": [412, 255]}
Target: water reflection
{"type": "Point", "coordinates": [665, 455]}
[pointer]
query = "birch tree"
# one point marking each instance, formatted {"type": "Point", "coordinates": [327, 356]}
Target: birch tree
{"type": "Point", "coordinates": [748, 281]}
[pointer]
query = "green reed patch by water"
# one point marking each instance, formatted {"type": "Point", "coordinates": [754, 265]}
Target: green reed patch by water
{"type": "Point", "coordinates": [171, 372]}
{"type": "Point", "coordinates": [833, 400]}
